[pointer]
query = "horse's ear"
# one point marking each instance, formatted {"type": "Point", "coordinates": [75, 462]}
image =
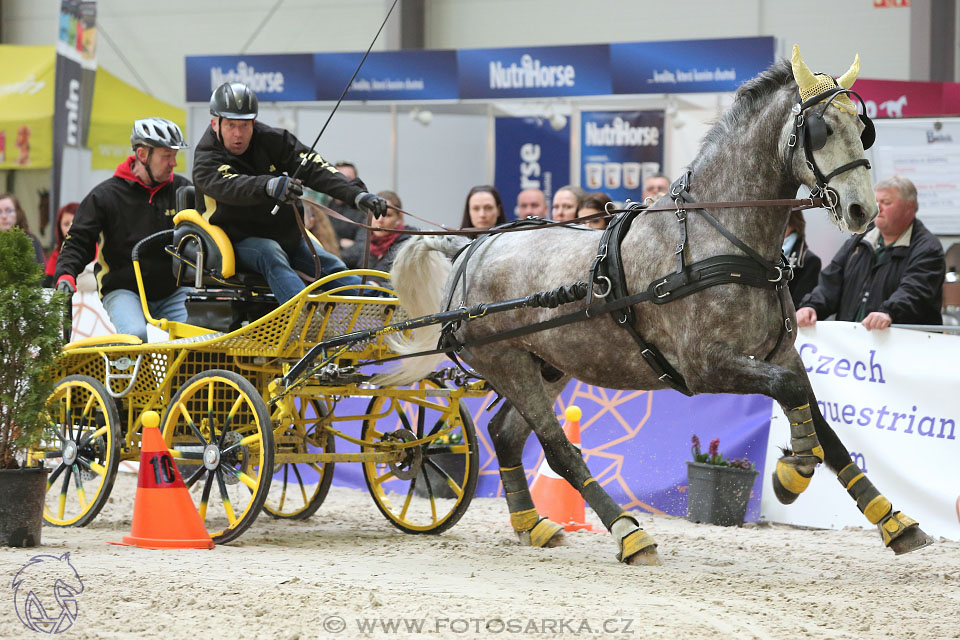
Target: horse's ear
{"type": "Point", "coordinates": [65, 556]}
{"type": "Point", "coordinates": [846, 80]}
{"type": "Point", "coordinates": [801, 72]}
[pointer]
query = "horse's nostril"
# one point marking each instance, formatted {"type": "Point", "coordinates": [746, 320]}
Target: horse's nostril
{"type": "Point", "coordinates": [856, 212]}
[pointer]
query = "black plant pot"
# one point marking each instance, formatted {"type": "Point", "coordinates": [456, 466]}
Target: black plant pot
{"type": "Point", "coordinates": [21, 506]}
{"type": "Point", "coordinates": [718, 495]}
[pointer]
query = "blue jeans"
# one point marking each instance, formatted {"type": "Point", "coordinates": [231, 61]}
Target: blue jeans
{"type": "Point", "coordinates": [126, 314]}
{"type": "Point", "coordinates": [267, 257]}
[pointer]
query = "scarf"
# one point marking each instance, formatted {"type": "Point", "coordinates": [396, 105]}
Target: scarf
{"type": "Point", "coordinates": [379, 245]}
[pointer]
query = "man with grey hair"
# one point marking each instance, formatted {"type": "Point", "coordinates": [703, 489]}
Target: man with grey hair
{"type": "Point", "coordinates": [530, 203]}
{"type": "Point", "coordinates": [893, 273]}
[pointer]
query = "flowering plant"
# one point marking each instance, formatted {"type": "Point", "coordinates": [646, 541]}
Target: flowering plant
{"type": "Point", "coordinates": [713, 455]}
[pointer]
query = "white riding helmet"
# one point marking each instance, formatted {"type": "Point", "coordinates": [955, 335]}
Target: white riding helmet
{"type": "Point", "coordinates": [157, 132]}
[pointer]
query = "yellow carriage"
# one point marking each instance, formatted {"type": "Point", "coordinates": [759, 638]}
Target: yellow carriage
{"type": "Point", "coordinates": [245, 437]}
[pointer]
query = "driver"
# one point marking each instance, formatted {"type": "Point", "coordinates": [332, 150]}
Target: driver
{"type": "Point", "coordinates": [138, 201]}
{"type": "Point", "coordinates": [243, 165]}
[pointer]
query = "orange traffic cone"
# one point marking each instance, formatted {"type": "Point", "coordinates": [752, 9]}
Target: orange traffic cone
{"type": "Point", "coordinates": [552, 495]}
{"type": "Point", "coordinates": [163, 515]}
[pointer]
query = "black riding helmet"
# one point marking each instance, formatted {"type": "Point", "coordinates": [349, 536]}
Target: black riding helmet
{"type": "Point", "coordinates": [234, 101]}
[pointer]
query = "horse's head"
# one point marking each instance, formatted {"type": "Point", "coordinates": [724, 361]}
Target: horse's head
{"type": "Point", "coordinates": [826, 124]}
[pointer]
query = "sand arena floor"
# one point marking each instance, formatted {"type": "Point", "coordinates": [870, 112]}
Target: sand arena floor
{"type": "Point", "coordinates": [347, 573]}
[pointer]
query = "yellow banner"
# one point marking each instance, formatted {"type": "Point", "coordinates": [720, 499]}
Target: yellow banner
{"type": "Point", "coordinates": [116, 105]}
{"type": "Point", "coordinates": [26, 106]}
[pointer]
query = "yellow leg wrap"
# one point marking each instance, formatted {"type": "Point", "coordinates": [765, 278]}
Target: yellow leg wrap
{"type": "Point", "coordinates": [894, 526]}
{"type": "Point", "coordinates": [869, 500]}
{"type": "Point", "coordinates": [634, 542]}
{"type": "Point", "coordinates": [803, 435]}
{"type": "Point", "coordinates": [791, 479]}
{"type": "Point", "coordinates": [524, 520]}
{"type": "Point", "coordinates": [877, 508]}
{"type": "Point", "coordinates": [543, 531]}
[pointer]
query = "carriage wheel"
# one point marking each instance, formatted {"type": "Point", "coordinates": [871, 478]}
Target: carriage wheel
{"type": "Point", "coordinates": [219, 433]}
{"type": "Point", "coordinates": [80, 445]}
{"type": "Point", "coordinates": [432, 487]}
{"type": "Point", "coordinates": [298, 489]}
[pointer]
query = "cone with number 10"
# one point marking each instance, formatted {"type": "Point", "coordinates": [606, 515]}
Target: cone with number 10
{"type": "Point", "coordinates": [552, 495]}
{"type": "Point", "coordinates": [163, 515]}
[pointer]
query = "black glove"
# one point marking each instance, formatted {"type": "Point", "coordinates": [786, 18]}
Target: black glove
{"type": "Point", "coordinates": [284, 189]}
{"type": "Point", "coordinates": [374, 204]}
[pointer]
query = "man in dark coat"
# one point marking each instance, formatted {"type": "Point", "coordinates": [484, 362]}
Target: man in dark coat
{"type": "Point", "coordinates": [137, 201]}
{"type": "Point", "coordinates": [893, 273]}
{"type": "Point", "coordinates": [242, 164]}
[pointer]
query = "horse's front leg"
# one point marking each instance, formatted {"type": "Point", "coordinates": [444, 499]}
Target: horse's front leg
{"type": "Point", "coordinates": [813, 441]}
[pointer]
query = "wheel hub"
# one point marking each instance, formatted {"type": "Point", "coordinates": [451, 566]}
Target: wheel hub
{"type": "Point", "coordinates": [409, 467]}
{"type": "Point", "coordinates": [70, 452]}
{"type": "Point", "coordinates": [211, 457]}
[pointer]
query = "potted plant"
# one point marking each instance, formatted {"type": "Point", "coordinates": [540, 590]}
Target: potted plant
{"type": "Point", "coordinates": [30, 340]}
{"type": "Point", "coordinates": [719, 489]}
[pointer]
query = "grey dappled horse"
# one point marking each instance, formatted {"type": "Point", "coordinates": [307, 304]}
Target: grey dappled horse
{"type": "Point", "coordinates": [728, 338]}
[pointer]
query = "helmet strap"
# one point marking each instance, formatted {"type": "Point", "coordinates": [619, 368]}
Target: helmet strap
{"type": "Point", "coordinates": [146, 165]}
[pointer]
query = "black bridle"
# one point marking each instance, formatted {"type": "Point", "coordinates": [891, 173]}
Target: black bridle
{"type": "Point", "coordinates": [811, 131]}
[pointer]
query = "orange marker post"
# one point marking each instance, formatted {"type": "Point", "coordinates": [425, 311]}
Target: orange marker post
{"type": "Point", "coordinates": [552, 495]}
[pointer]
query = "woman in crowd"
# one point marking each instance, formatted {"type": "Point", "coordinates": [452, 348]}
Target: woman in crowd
{"type": "Point", "coordinates": [566, 201]}
{"type": "Point", "coordinates": [591, 204]}
{"type": "Point", "coordinates": [483, 208]}
{"type": "Point", "coordinates": [64, 220]}
{"type": "Point", "coordinates": [806, 264]}
{"type": "Point", "coordinates": [12, 215]}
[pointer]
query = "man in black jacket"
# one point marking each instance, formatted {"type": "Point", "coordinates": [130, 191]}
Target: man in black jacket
{"type": "Point", "coordinates": [139, 200]}
{"type": "Point", "coordinates": [241, 164]}
{"type": "Point", "coordinates": [893, 273]}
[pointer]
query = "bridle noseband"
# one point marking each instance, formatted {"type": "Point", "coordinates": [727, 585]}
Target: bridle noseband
{"type": "Point", "coordinates": [811, 131]}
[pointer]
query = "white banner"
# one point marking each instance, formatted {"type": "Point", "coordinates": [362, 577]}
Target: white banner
{"type": "Point", "coordinates": [893, 398]}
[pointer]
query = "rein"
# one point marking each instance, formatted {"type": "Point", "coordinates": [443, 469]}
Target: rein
{"type": "Point", "coordinates": [796, 203]}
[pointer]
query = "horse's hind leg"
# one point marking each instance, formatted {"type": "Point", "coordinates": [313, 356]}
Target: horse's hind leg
{"type": "Point", "coordinates": [518, 376]}
{"type": "Point", "coordinates": [509, 432]}
{"type": "Point", "coordinates": [812, 441]}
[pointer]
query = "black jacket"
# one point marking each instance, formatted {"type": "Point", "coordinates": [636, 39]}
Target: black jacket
{"type": "Point", "coordinates": [906, 282]}
{"type": "Point", "coordinates": [238, 183]}
{"type": "Point", "coordinates": [118, 213]}
{"type": "Point", "coordinates": [806, 270]}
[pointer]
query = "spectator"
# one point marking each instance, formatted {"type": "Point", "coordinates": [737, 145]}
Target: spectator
{"type": "Point", "coordinates": [655, 186]}
{"type": "Point", "coordinates": [384, 245]}
{"type": "Point", "coordinates": [566, 201]}
{"type": "Point", "coordinates": [64, 220]}
{"type": "Point", "coordinates": [12, 215]}
{"type": "Point", "coordinates": [805, 263]}
{"type": "Point", "coordinates": [531, 203]}
{"type": "Point", "coordinates": [137, 201]}
{"type": "Point", "coordinates": [892, 273]}
{"type": "Point", "coordinates": [240, 162]}
{"type": "Point", "coordinates": [318, 223]}
{"type": "Point", "coordinates": [483, 208]}
{"type": "Point", "coordinates": [594, 203]}
{"type": "Point", "coordinates": [346, 232]}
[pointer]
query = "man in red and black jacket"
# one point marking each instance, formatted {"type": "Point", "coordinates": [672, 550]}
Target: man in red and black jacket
{"type": "Point", "coordinates": [241, 164]}
{"type": "Point", "coordinates": [139, 200]}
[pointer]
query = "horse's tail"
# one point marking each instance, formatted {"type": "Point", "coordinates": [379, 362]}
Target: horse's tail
{"type": "Point", "coordinates": [419, 271]}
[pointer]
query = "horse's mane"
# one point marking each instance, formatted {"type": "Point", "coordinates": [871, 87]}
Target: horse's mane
{"type": "Point", "coordinates": [751, 96]}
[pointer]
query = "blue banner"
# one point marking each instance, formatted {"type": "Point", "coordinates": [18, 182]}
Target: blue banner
{"type": "Point", "coordinates": [388, 75]}
{"type": "Point", "coordinates": [619, 150]}
{"type": "Point", "coordinates": [534, 72]}
{"type": "Point", "coordinates": [274, 78]}
{"type": "Point", "coordinates": [688, 66]}
{"type": "Point", "coordinates": [531, 154]}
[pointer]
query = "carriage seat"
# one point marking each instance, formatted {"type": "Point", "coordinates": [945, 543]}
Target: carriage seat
{"type": "Point", "coordinates": [221, 298]}
{"type": "Point", "coordinates": [197, 242]}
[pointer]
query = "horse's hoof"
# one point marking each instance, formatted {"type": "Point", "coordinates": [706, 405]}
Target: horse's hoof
{"type": "Point", "coordinates": [648, 556]}
{"type": "Point", "coordinates": [545, 534]}
{"type": "Point", "coordinates": [910, 540]}
{"type": "Point", "coordinates": [784, 496]}
{"type": "Point", "coordinates": [792, 477]}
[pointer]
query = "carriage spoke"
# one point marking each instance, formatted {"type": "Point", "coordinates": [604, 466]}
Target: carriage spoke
{"type": "Point", "coordinates": [54, 475]}
{"type": "Point", "coordinates": [245, 442]}
{"type": "Point", "coordinates": [62, 500]}
{"type": "Point", "coordinates": [188, 419]}
{"type": "Point", "coordinates": [387, 476]}
{"type": "Point", "coordinates": [229, 419]}
{"type": "Point", "coordinates": [456, 488]}
{"type": "Point", "coordinates": [407, 500]}
{"type": "Point", "coordinates": [205, 496]}
{"type": "Point", "coordinates": [194, 477]}
{"type": "Point", "coordinates": [99, 433]}
{"type": "Point", "coordinates": [81, 494]}
{"type": "Point", "coordinates": [283, 491]}
{"type": "Point", "coordinates": [303, 488]}
{"type": "Point", "coordinates": [93, 466]}
{"type": "Point", "coordinates": [225, 497]}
